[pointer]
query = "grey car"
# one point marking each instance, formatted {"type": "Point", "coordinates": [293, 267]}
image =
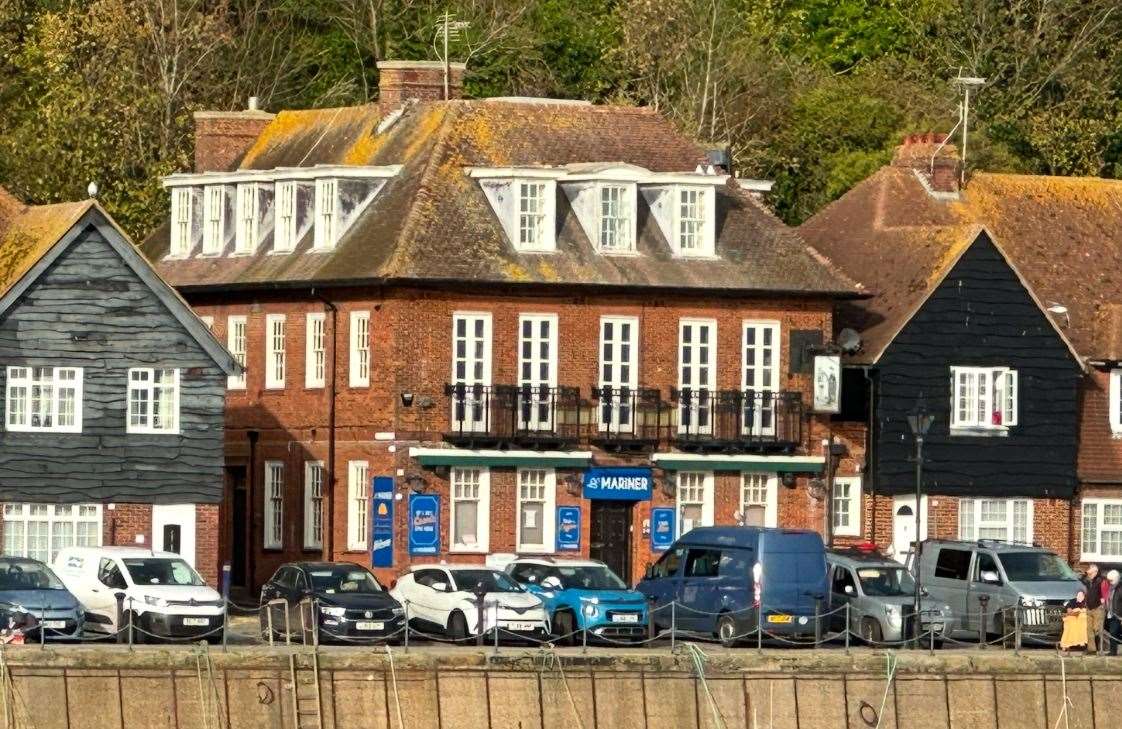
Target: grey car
{"type": "Point", "coordinates": [985, 581]}
{"type": "Point", "coordinates": [880, 594]}
{"type": "Point", "coordinates": [27, 586]}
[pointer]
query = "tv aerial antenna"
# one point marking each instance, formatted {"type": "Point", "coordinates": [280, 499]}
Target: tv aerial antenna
{"type": "Point", "coordinates": [447, 29]}
{"type": "Point", "coordinates": [969, 85]}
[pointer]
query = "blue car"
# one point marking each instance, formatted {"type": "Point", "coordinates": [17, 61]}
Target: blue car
{"type": "Point", "coordinates": [583, 595]}
{"type": "Point", "coordinates": [29, 588]}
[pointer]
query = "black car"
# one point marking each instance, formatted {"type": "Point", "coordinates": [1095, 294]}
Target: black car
{"type": "Point", "coordinates": [344, 600]}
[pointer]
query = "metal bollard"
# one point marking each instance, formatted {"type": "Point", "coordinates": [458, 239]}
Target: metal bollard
{"type": "Point", "coordinates": [287, 627]}
{"type": "Point", "coordinates": [406, 639]}
{"type": "Point", "coordinates": [760, 627]}
{"type": "Point", "coordinates": [1017, 631]}
{"type": "Point", "coordinates": [131, 613]}
{"type": "Point", "coordinates": [226, 627]}
{"type": "Point", "coordinates": [584, 639]}
{"type": "Point", "coordinates": [847, 624]}
{"type": "Point", "coordinates": [817, 621]}
{"type": "Point", "coordinates": [652, 629]}
{"type": "Point", "coordinates": [673, 622]}
{"type": "Point", "coordinates": [496, 606]}
{"type": "Point", "coordinates": [42, 627]}
{"type": "Point", "coordinates": [269, 622]}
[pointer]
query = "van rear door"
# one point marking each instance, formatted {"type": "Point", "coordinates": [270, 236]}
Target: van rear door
{"type": "Point", "coordinates": [794, 573]}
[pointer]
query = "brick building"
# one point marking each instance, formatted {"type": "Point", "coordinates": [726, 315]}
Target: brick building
{"type": "Point", "coordinates": [1049, 294]}
{"type": "Point", "coordinates": [503, 309]}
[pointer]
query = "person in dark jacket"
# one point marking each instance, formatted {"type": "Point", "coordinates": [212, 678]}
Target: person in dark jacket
{"type": "Point", "coordinates": [1113, 612]}
{"type": "Point", "coordinates": [1097, 590]}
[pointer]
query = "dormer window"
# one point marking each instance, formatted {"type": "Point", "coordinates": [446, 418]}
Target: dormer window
{"type": "Point", "coordinates": [214, 219]}
{"type": "Point", "coordinates": [245, 237]}
{"type": "Point", "coordinates": [532, 219]}
{"type": "Point", "coordinates": [690, 221]}
{"type": "Point", "coordinates": [617, 218]}
{"type": "Point", "coordinates": [284, 236]}
{"type": "Point", "coordinates": [327, 214]}
{"type": "Point", "coordinates": [182, 207]}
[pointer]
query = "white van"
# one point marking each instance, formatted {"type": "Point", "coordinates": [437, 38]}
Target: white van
{"type": "Point", "coordinates": [164, 596]}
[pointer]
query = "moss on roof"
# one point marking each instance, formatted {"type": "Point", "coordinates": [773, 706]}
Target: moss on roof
{"type": "Point", "coordinates": [30, 233]}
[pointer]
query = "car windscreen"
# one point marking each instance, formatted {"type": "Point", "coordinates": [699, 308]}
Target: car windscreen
{"type": "Point", "coordinates": [26, 574]}
{"type": "Point", "coordinates": [1035, 567]}
{"type": "Point", "coordinates": [487, 580]}
{"type": "Point", "coordinates": [590, 577]}
{"type": "Point", "coordinates": [161, 571]}
{"type": "Point", "coordinates": [885, 581]}
{"type": "Point", "coordinates": [343, 580]}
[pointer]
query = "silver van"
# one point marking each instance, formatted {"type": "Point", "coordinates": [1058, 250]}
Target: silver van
{"type": "Point", "coordinates": [985, 580]}
{"type": "Point", "coordinates": [880, 594]}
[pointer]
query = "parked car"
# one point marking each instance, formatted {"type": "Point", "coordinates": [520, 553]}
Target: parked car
{"type": "Point", "coordinates": [446, 599]}
{"type": "Point", "coordinates": [161, 594]}
{"type": "Point", "coordinates": [880, 593]}
{"type": "Point", "coordinates": [723, 580]}
{"type": "Point", "coordinates": [583, 595]}
{"type": "Point", "coordinates": [347, 600]}
{"type": "Point", "coordinates": [29, 586]}
{"type": "Point", "coordinates": [983, 581]}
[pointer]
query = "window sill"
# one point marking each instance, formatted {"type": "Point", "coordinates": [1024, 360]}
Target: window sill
{"type": "Point", "coordinates": [846, 532]}
{"type": "Point", "coordinates": [275, 252]}
{"type": "Point", "coordinates": [619, 254]}
{"type": "Point", "coordinates": [980, 432]}
{"type": "Point", "coordinates": [535, 251]}
{"type": "Point", "coordinates": [532, 549]}
{"type": "Point", "coordinates": [274, 388]}
{"type": "Point", "coordinates": [696, 256]}
{"type": "Point", "coordinates": [17, 429]}
{"type": "Point", "coordinates": [460, 549]}
{"type": "Point", "coordinates": [152, 432]}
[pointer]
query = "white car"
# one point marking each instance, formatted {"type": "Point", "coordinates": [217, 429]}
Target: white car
{"type": "Point", "coordinates": [163, 595]}
{"type": "Point", "coordinates": [444, 599]}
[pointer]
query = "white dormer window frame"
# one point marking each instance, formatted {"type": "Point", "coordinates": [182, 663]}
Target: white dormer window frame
{"type": "Point", "coordinates": [327, 214]}
{"type": "Point", "coordinates": [692, 220]}
{"type": "Point", "coordinates": [214, 219]}
{"type": "Point", "coordinates": [535, 204]}
{"type": "Point", "coordinates": [182, 207]}
{"type": "Point", "coordinates": [1115, 392]}
{"type": "Point", "coordinates": [615, 217]}
{"type": "Point", "coordinates": [286, 194]}
{"type": "Point", "coordinates": [248, 219]}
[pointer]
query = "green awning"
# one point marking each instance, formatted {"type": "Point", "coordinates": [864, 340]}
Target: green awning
{"type": "Point", "coordinates": [724, 462]}
{"type": "Point", "coordinates": [498, 458]}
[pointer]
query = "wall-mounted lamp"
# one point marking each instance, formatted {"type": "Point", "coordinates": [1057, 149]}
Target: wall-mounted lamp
{"type": "Point", "coordinates": [789, 479]}
{"type": "Point", "coordinates": [572, 484]}
{"type": "Point", "coordinates": [817, 488]}
{"type": "Point", "coordinates": [416, 483]}
{"type": "Point", "coordinates": [668, 488]}
{"type": "Point", "coordinates": [407, 399]}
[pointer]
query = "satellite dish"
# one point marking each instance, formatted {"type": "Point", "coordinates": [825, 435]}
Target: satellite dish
{"type": "Point", "coordinates": [849, 340]}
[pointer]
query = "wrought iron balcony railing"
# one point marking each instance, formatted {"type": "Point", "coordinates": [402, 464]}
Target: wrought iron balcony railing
{"type": "Point", "coordinates": [627, 418]}
{"type": "Point", "coordinates": [513, 414]}
{"type": "Point", "coordinates": [737, 420]}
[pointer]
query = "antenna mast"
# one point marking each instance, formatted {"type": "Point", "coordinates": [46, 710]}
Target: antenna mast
{"type": "Point", "coordinates": [448, 28]}
{"type": "Point", "coordinates": [968, 84]}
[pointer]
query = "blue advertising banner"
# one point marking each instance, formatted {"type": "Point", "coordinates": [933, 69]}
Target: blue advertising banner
{"type": "Point", "coordinates": [381, 530]}
{"type": "Point", "coordinates": [619, 484]}
{"type": "Point", "coordinates": [568, 528]}
{"type": "Point", "coordinates": [424, 524]}
{"type": "Point", "coordinates": [662, 528]}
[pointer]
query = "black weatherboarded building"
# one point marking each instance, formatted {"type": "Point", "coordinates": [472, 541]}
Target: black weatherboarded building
{"type": "Point", "coordinates": [113, 393]}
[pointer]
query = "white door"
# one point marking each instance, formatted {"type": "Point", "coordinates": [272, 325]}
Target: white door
{"type": "Point", "coordinates": [537, 371]}
{"type": "Point", "coordinates": [904, 525]}
{"type": "Point", "coordinates": [173, 530]}
{"type": "Point", "coordinates": [471, 371]}
{"type": "Point", "coordinates": [618, 371]}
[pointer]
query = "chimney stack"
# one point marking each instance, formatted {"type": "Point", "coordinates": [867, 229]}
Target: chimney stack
{"type": "Point", "coordinates": [223, 137]}
{"type": "Point", "coordinates": [400, 81]}
{"type": "Point", "coordinates": [917, 152]}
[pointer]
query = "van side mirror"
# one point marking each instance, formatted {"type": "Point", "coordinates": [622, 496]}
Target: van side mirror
{"type": "Point", "coordinates": [551, 583]}
{"type": "Point", "coordinates": [440, 586]}
{"type": "Point", "coordinates": [990, 577]}
{"type": "Point", "coordinates": [849, 590]}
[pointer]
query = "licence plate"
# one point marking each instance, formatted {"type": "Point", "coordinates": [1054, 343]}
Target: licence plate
{"type": "Point", "coordinates": [196, 622]}
{"type": "Point", "coordinates": [370, 625]}
{"type": "Point", "coordinates": [625, 618]}
{"type": "Point", "coordinates": [54, 624]}
{"type": "Point", "coordinates": [779, 618]}
{"type": "Point", "coordinates": [521, 626]}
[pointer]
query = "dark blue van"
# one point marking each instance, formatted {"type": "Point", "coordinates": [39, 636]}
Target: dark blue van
{"type": "Point", "coordinates": [721, 578]}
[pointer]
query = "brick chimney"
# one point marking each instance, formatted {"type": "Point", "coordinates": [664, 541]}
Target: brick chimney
{"type": "Point", "coordinates": [399, 81]}
{"type": "Point", "coordinates": [916, 152]}
{"type": "Point", "coordinates": [222, 137]}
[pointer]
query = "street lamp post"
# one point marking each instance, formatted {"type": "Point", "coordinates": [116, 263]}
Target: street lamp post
{"type": "Point", "coordinates": [919, 420]}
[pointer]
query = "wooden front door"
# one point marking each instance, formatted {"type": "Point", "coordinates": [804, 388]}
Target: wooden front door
{"type": "Point", "coordinates": [610, 541]}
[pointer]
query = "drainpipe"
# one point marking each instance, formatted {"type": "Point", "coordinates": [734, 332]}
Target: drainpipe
{"type": "Point", "coordinates": [870, 447]}
{"type": "Point", "coordinates": [251, 505]}
{"type": "Point", "coordinates": [328, 502]}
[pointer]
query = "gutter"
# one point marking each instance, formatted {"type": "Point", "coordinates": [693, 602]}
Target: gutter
{"type": "Point", "coordinates": [328, 499]}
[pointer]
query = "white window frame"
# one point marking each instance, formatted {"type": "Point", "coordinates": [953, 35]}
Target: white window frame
{"type": "Point", "coordinates": [1092, 522]}
{"type": "Point", "coordinates": [697, 406]}
{"type": "Point", "coordinates": [19, 386]}
{"type": "Point", "coordinates": [847, 492]}
{"type": "Point", "coordinates": [286, 194]}
{"type": "Point", "coordinates": [705, 223]}
{"type": "Point", "coordinates": [214, 226]}
{"type": "Point", "coordinates": [150, 390]}
{"type": "Point", "coordinates": [529, 370]}
{"type": "Point", "coordinates": [756, 376]}
{"type": "Point", "coordinates": [548, 501]}
{"type": "Point", "coordinates": [687, 483]}
{"type": "Point", "coordinates": [182, 207]}
{"type": "Point", "coordinates": [1115, 393]}
{"type": "Point", "coordinates": [971, 519]}
{"type": "Point", "coordinates": [314, 474]}
{"type": "Point", "coordinates": [360, 349]}
{"type": "Point", "coordinates": [276, 358]}
{"type": "Point", "coordinates": [327, 212]}
{"type": "Point", "coordinates": [482, 514]}
{"type": "Point", "coordinates": [625, 218]}
{"type": "Point", "coordinates": [237, 336]}
{"type": "Point", "coordinates": [620, 415]}
{"type": "Point", "coordinates": [315, 350]}
{"type": "Point", "coordinates": [545, 215]}
{"type": "Point", "coordinates": [248, 227]}
{"type": "Point", "coordinates": [974, 391]}
{"type": "Point", "coordinates": [273, 507]}
{"type": "Point", "coordinates": [358, 506]}
{"type": "Point", "coordinates": [469, 378]}
{"type": "Point", "coordinates": [752, 484]}
{"type": "Point", "coordinates": [20, 513]}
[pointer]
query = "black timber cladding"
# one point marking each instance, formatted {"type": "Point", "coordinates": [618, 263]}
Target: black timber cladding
{"type": "Point", "coordinates": [90, 309]}
{"type": "Point", "coordinates": [980, 315]}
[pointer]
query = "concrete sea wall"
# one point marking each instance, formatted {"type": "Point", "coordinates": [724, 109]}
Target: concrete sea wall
{"type": "Point", "coordinates": [183, 688]}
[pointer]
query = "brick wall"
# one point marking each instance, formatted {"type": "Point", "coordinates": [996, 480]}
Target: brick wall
{"type": "Point", "coordinates": [1100, 450]}
{"type": "Point", "coordinates": [222, 137]}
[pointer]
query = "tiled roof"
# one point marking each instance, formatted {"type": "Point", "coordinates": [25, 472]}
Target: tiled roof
{"type": "Point", "coordinates": [1063, 235]}
{"type": "Point", "coordinates": [27, 232]}
{"type": "Point", "coordinates": [432, 222]}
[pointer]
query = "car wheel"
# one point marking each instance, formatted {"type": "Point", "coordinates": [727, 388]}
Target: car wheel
{"type": "Point", "coordinates": [458, 627]}
{"type": "Point", "coordinates": [871, 631]}
{"type": "Point", "coordinates": [727, 632]}
{"type": "Point", "coordinates": [564, 628]}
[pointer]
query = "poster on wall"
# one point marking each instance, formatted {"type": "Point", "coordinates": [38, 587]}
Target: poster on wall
{"type": "Point", "coordinates": [827, 383]}
{"type": "Point", "coordinates": [424, 524]}
{"type": "Point", "coordinates": [381, 529]}
{"type": "Point", "coordinates": [662, 528]}
{"type": "Point", "coordinates": [568, 528]}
